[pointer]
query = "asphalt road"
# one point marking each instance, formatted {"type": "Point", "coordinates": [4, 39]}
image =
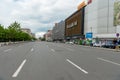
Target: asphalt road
{"type": "Point", "coordinates": [57, 61]}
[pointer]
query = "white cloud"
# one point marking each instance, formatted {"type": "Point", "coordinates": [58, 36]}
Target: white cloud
{"type": "Point", "coordinates": [40, 34]}
{"type": "Point", "coordinates": [38, 15]}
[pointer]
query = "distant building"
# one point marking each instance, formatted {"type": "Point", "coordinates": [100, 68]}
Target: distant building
{"type": "Point", "coordinates": [33, 35]}
{"type": "Point", "coordinates": [48, 35]}
{"type": "Point", "coordinates": [58, 31]}
{"type": "Point", "coordinates": [28, 31]}
{"type": "Point", "coordinates": [44, 36]}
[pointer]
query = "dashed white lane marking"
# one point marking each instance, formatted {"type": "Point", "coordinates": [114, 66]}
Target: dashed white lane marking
{"type": "Point", "coordinates": [7, 50]}
{"type": "Point", "coordinates": [19, 69]}
{"type": "Point", "coordinates": [76, 66]}
{"type": "Point", "coordinates": [108, 61]}
{"type": "Point", "coordinates": [53, 50]}
{"type": "Point", "coordinates": [32, 49]}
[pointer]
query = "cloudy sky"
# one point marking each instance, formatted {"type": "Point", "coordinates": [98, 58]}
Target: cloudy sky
{"type": "Point", "coordinates": [38, 15]}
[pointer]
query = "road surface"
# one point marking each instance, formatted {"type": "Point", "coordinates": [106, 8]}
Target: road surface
{"type": "Point", "coordinates": [58, 61]}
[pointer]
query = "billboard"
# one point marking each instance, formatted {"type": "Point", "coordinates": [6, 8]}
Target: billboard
{"type": "Point", "coordinates": [89, 1]}
{"type": "Point", "coordinates": [116, 13]}
{"type": "Point", "coordinates": [81, 5]}
{"type": "Point", "coordinates": [84, 3]}
{"type": "Point", "coordinates": [89, 35]}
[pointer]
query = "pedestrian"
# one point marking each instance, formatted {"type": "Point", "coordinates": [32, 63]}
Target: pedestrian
{"type": "Point", "coordinates": [115, 41]}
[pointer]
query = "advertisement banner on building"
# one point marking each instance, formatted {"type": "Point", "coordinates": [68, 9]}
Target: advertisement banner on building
{"type": "Point", "coordinates": [89, 1]}
{"type": "Point", "coordinates": [117, 13]}
{"type": "Point", "coordinates": [89, 35]}
{"type": "Point", "coordinates": [81, 5]}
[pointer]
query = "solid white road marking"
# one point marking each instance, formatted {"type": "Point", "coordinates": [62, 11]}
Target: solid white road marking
{"type": "Point", "coordinates": [108, 61]}
{"type": "Point", "coordinates": [19, 69]}
{"type": "Point", "coordinates": [77, 66]}
{"type": "Point", "coordinates": [32, 49]}
{"type": "Point", "coordinates": [53, 50]}
{"type": "Point", "coordinates": [7, 50]}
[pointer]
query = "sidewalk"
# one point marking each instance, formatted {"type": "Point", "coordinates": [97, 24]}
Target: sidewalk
{"type": "Point", "coordinates": [7, 43]}
{"type": "Point", "coordinates": [100, 48]}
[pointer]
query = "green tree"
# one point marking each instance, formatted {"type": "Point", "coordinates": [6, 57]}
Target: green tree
{"type": "Point", "coordinates": [1, 33]}
{"type": "Point", "coordinates": [15, 26]}
{"type": "Point", "coordinates": [6, 36]}
{"type": "Point", "coordinates": [13, 33]}
{"type": "Point", "coordinates": [14, 29]}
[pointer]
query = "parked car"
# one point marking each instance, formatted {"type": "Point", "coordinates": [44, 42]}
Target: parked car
{"type": "Point", "coordinates": [109, 44]}
{"type": "Point", "coordinates": [97, 44]}
{"type": "Point", "coordinates": [70, 42]}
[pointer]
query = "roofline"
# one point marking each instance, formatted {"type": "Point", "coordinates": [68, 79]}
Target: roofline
{"type": "Point", "coordinates": [75, 13]}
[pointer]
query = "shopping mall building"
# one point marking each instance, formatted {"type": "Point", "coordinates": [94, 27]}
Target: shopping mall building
{"type": "Point", "coordinates": [102, 18]}
{"type": "Point", "coordinates": [74, 25]}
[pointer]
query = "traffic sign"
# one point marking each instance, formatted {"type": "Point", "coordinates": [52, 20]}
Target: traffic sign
{"type": "Point", "coordinates": [89, 35]}
{"type": "Point", "coordinates": [117, 34]}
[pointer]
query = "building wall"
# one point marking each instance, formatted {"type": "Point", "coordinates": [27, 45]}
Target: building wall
{"type": "Point", "coordinates": [99, 19]}
{"type": "Point", "coordinates": [48, 35]}
{"type": "Point", "coordinates": [74, 24]}
{"type": "Point", "coordinates": [26, 30]}
{"type": "Point", "coordinates": [33, 35]}
{"type": "Point", "coordinates": [58, 31]}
